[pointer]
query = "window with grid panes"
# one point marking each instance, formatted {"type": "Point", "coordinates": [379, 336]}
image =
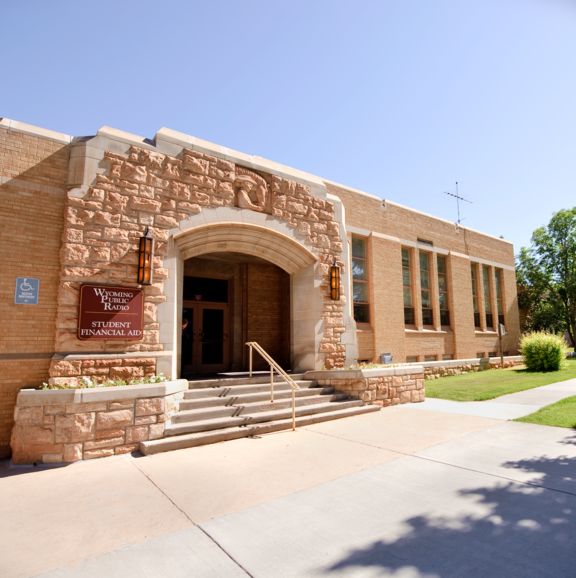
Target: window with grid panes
{"type": "Point", "coordinates": [443, 292]}
{"type": "Point", "coordinates": [473, 270]}
{"type": "Point", "coordinates": [360, 294]}
{"type": "Point", "coordinates": [425, 289]}
{"type": "Point", "coordinates": [407, 286]}
{"type": "Point", "coordinates": [487, 297]}
{"type": "Point", "coordinates": [499, 304]}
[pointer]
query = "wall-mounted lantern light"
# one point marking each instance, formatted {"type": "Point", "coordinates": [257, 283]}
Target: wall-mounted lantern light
{"type": "Point", "coordinates": [145, 258]}
{"type": "Point", "coordinates": [335, 281]}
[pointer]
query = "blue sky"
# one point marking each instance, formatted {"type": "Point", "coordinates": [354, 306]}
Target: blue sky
{"type": "Point", "coordinates": [399, 99]}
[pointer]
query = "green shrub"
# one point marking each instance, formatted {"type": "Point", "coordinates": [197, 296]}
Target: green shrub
{"type": "Point", "coordinates": [543, 351]}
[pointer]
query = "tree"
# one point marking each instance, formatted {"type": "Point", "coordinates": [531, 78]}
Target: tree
{"type": "Point", "coordinates": [546, 275]}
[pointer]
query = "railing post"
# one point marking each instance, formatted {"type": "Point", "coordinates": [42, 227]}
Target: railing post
{"type": "Point", "coordinates": [271, 383]}
{"type": "Point", "coordinates": [293, 409]}
{"type": "Point", "coordinates": [250, 356]}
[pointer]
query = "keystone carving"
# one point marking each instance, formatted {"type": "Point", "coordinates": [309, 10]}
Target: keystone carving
{"type": "Point", "coordinates": [252, 191]}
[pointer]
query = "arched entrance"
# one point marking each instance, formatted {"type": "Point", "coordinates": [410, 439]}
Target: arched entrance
{"type": "Point", "coordinates": [229, 299]}
{"type": "Point", "coordinates": [253, 283]}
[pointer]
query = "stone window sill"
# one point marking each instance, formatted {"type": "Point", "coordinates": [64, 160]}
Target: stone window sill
{"type": "Point", "coordinates": [434, 331]}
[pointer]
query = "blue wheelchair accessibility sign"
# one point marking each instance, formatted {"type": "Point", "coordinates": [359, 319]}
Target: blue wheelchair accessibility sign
{"type": "Point", "coordinates": [26, 291]}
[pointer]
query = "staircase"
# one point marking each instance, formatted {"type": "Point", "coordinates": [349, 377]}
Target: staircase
{"type": "Point", "coordinates": [226, 409]}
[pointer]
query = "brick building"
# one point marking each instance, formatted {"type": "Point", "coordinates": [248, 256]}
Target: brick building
{"type": "Point", "coordinates": [243, 252]}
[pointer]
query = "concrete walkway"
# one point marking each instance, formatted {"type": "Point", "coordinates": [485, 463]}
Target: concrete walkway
{"type": "Point", "coordinates": [403, 492]}
{"type": "Point", "coordinates": [511, 406]}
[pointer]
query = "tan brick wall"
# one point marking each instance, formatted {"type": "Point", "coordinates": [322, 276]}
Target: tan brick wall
{"type": "Point", "coordinates": [368, 213]}
{"type": "Point", "coordinates": [34, 173]}
{"type": "Point", "coordinates": [387, 309]}
{"type": "Point", "coordinates": [385, 274]}
{"type": "Point", "coordinates": [266, 312]}
{"type": "Point", "coordinates": [365, 344]}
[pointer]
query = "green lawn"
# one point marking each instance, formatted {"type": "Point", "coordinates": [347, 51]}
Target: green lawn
{"type": "Point", "coordinates": [559, 414]}
{"type": "Point", "coordinates": [493, 383]}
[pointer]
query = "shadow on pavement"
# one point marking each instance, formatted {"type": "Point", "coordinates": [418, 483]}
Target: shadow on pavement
{"type": "Point", "coordinates": [9, 469]}
{"type": "Point", "coordinates": [529, 528]}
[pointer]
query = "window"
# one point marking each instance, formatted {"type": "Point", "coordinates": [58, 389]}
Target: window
{"type": "Point", "coordinates": [360, 280]}
{"type": "Point", "coordinates": [475, 296]}
{"type": "Point", "coordinates": [407, 287]}
{"type": "Point", "coordinates": [479, 355]}
{"type": "Point", "coordinates": [500, 306]}
{"type": "Point", "coordinates": [487, 297]}
{"type": "Point", "coordinates": [492, 354]}
{"type": "Point", "coordinates": [425, 286]}
{"type": "Point", "coordinates": [413, 359]}
{"type": "Point", "coordinates": [506, 354]}
{"type": "Point", "coordinates": [447, 357]}
{"type": "Point", "coordinates": [443, 292]}
{"type": "Point", "coordinates": [429, 358]}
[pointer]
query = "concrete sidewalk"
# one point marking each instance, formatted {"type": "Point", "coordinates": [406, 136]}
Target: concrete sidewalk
{"type": "Point", "coordinates": [401, 492]}
{"type": "Point", "coordinates": [511, 406]}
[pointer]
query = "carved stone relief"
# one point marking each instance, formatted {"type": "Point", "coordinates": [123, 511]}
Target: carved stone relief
{"type": "Point", "coordinates": [252, 191]}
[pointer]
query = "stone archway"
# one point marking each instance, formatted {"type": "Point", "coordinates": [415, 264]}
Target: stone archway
{"type": "Point", "coordinates": [247, 238]}
{"type": "Point", "coordinates": [287, 252]}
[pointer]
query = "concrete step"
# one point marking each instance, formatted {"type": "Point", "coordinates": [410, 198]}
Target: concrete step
{"type": "Point", "coordinates": [195, 403]}
{"type": "Point", "coordinates": [220, 435]}
{"type": "Point", "coordinates": [280, 404]}
{"type": "Point", "coordinates": [243, 389]}
{"type": "Point", "coordinates": [237, 409]}
{"type": "Point", "coordinates": [256, 417]}
{"type": "Point", "coordinates": [264, 377]}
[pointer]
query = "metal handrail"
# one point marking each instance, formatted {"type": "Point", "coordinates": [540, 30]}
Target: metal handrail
{"type": "Point", "coordinates": [274, 366]}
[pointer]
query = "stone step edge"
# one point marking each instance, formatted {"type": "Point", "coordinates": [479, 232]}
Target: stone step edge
{"type": "Point", "coordinates": [278, 386]}
{"type": "Point", "coordinates": [241, 390]}
{"type": "Point", "coordinates": [247, 380]}
{"type": "Point", "coordinates": [278, 404]}
{"type": "Point", "coordinates": [183, 441]}
{"type": "Point", "coordinates": [261, 416]}
{"type": "Point", "coordinates": [301, 393]}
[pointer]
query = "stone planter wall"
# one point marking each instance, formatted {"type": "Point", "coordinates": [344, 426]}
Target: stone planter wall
{"type": "Point", "coordinates": [436, 369]}
{"type": "Point", "coordinates": [383, 387]}
{"type": "Point", "coordinates": [68, 372]}
{"type": "Point", "coordinates": [69, 425]}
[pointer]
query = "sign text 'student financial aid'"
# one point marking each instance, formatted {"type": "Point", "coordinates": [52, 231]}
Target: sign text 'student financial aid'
{"type": "Point", "coordinates": [110, 312]}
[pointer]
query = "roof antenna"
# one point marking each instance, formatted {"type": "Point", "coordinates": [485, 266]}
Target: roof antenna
{"type": "Point", "coordinates": [458, 199]}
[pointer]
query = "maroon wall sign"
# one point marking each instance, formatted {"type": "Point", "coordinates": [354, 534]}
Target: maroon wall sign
{"type": "Point", "coordinates": [110, 312]}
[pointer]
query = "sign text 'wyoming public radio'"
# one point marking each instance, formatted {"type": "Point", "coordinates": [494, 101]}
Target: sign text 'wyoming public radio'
{"type": "Point", "coordinates": [110, 313]}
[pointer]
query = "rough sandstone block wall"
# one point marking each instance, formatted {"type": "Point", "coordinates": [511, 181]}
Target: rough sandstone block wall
{"type": "Point", "coordinates": [67, 372]}
{"type": "Point", "coordinates": [82, 431]}
{"type": "Point", "coordinates": [492, 363]}
{"type": "Point", "coordinates": [395, 223]}
{"type": "Point", "coordinates": [382, 391]}
{"type": "Point", "coordinates": [33, 179]}
{"type": "Point", "coordinates": [146, 188]}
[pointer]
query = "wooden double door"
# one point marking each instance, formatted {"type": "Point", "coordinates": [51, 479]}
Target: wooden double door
{"type": "Point", "coordinates": [205, 339]}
